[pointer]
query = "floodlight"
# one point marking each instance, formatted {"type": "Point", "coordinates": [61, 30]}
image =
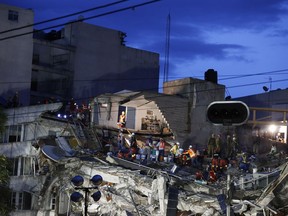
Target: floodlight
{"type": "Point", "coordinates": [96, 180]}
{"type": "Point", "coordinates": [76, 197]}
{"type": "Point", "coordinates": [77, 180]}
{"type": "Point", "coordinates": [227, 112]}
{"type": "Point", "coordinates": [96, 196]}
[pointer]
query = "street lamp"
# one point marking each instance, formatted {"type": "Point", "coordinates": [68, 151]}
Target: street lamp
{"type": "Point", "coordinates": [76, 196]}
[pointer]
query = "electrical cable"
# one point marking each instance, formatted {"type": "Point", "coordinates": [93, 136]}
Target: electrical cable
{"type": "Point", "coordinates": [145, 78]}
{"type": "Point", "coordinates": [71, 22]}
{"type": "Point", "coordinates": [234, 77]}
{"type": "Point", "coordinates": [65, 16]}
{"type": "Point", "coordinates": [162, 95]}
{"type": "Point", "coordinates": [249, 75]}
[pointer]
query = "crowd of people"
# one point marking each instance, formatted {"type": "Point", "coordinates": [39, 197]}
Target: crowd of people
{"type": "Point", "coordinates": [220, 152]}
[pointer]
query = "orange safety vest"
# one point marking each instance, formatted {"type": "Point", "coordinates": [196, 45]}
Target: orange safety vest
{"type": "Point", "coordinates": [191, 153]}
{"type": "Point", "coordinates": [161, 145]}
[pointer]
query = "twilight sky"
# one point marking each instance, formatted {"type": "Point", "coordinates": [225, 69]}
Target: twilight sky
{"type": "Point", "coordinates": [246, 41]}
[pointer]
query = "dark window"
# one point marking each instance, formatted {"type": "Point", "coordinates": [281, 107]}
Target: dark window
{"type": "Point", "coordinates": [26, 201]}
{"type": "Point", "coordinates": [21, 200]}
{"type": "Point", "coordinates": [15, 167]}
{"type": "Point", "coordinates": [34, 85]}
{"type": "Point", "coordinates": [15, 133]}
{"type": "Point", "coordinates": [36, 59]}
{"type": "Point", "coordinates": [11, 133]}
{"type": "Point", "coordinates": [13, 15]}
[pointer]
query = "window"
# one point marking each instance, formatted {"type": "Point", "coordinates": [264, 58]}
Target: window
{"type": "Point", "coordinates": [13, 15]}
{"type": "Point", "coordinates": [23, 166]}
{"type": "Point", "coordinates": [53, 201]}
{"type": "Point", "coordinates": [15, 133]}
{"type": "Point", "coordinates": [21, 200]}
{"type": "Point", "coordinates": [11, 133]}
{"type": "Point", "coordinates": [36, 59]}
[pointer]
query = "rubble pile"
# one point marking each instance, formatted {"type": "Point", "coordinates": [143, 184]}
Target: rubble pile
{"type": "Point", "coordinates": [128, 192]}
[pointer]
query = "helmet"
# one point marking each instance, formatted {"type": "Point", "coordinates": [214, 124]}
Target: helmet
{"type": "Point", "coordinates": [177, 143]}
{"type": "Point", "coordinates": [190, 146]}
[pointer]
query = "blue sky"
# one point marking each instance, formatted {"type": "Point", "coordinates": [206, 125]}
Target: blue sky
{"type": "Point", "coordinates": [245, 41]}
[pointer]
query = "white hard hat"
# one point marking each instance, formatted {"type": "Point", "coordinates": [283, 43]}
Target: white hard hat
{"type": "Point", "coordinates": [190, 146]}
{"type": "Point", "coordinates": [177, 143]}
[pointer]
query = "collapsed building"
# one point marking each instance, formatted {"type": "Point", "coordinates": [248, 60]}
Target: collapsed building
{"type": "Point", "coordinates": [47, 152]}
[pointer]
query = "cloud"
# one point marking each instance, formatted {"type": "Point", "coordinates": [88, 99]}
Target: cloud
{"type": "Point", "coordinates": [258, 14]}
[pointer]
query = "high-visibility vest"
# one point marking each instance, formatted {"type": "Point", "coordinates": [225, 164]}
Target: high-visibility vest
{"type": "Point", "coordinates": [161, 145]}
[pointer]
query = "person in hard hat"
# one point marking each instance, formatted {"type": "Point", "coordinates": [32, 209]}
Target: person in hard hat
{"type": "Point", "coordinates": [148, 147]}
{"type": "Point", "coordinates": [211, 145]}
{"type": "Point", "coordinates": [175, 151]}
{"type": "Point", "coordinates": [133, 144]}
{"type": "Point", "coordinates": [161, 148]}
{"type": "Point", "coordinates": [122, 120]}
{"type": "Point", "coordinates": [229, 152]}
{"type": "Point", "coordinates": [192, 155]}
{"type": "Point", "coordinates": [244, 163]}
{"type": "Point", "coordinates": [218, 144]}
{"type": "Point", "coordinates": [273, 150]}
{"type": "Point", "coordinates": [191, 152]}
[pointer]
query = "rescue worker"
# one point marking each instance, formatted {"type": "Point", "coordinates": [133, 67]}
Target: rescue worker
{"type": "Point", "coordinates": [256, 144]}
{"type": "Point", "coordinates": [229, 146]}
{"type": "Point", "coordinates": [218, 143]}
{"type": "Point", "coordinates": [215, 163]}
{"type": "Point", "coordinates": [211, 145]}
{"type": "Point", "coordinates": [244, 163]}
{"type": "Point", "coordinates": [235, 145]}
{"type": "Point", "coordinates": [148, 147]}
{"type": "Point", "coordinates": [133, 144]}
{"type": "Point", "coordinates": [122, 120]}
{"type": "Point", "coordinates": [212, 176]}
{"type": "Point", "coordinates": [273, 150]}
{"type": "Point", "coordinates": [175, 151]}
{"type": "Point", "coordinates": [120, 140]}
{"type": "Point", "coordinates": [161, 148]}
{"type": "Point", "coordinates": [192, 156]}
{"type": "Point", "coordinates": [223, 164]}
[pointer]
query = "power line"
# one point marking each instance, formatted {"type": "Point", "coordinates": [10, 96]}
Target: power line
{"type": "Point", "coordinates": [249, 75]}
{"type": "Point", "coordinates": [199, 91]}
{"type": "Point", "coordinates": [148, 78]}
{"type": "Point", "coordinates": [163, 95]}
{"type": "Point", "coordinates": [62, 17]}
{"type": "Point", "coordinates": [91, 17]}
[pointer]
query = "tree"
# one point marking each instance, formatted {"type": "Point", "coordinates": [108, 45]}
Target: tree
{"type": "Point", "coordinates": [5, 198]}
{"type": "Point", "coordinates": [3, 120]}
{"type": "Point", "coordinates": [5, 193]}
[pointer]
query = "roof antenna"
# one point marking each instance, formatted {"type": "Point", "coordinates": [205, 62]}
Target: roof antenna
{"type": "Point", "coordinates": [167, 49]}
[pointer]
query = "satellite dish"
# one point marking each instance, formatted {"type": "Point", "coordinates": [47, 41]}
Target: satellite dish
{"type": "Point", "coordinates": [53, 152]}
{"type": "Point", "coordinates": [64, 145]}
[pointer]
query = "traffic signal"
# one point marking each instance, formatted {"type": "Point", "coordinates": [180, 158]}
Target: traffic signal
{"type": "Point", "coordinates": [228, 112]}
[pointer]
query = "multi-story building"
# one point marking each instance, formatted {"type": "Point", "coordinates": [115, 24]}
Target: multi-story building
{"type": "Point", "coordinates": [179, 112]}
{"type": "Point", "coordinates": [269, 114]}
{"type": "Point", "coordinates": [80, 60]}
{"type": "Point", "coordinates": [15, 52]}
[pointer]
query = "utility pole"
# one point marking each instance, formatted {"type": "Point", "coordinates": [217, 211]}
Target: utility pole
{"type": "Point", "coordinates": [228, 195]}
{"type": "Point", "coordinates": [167, 49]}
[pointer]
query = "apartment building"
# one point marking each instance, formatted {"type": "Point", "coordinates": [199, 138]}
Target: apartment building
{"type": "Point", "coordinates": [15, 52]}
{"type": "Point", "coordinates": [78, 61]}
